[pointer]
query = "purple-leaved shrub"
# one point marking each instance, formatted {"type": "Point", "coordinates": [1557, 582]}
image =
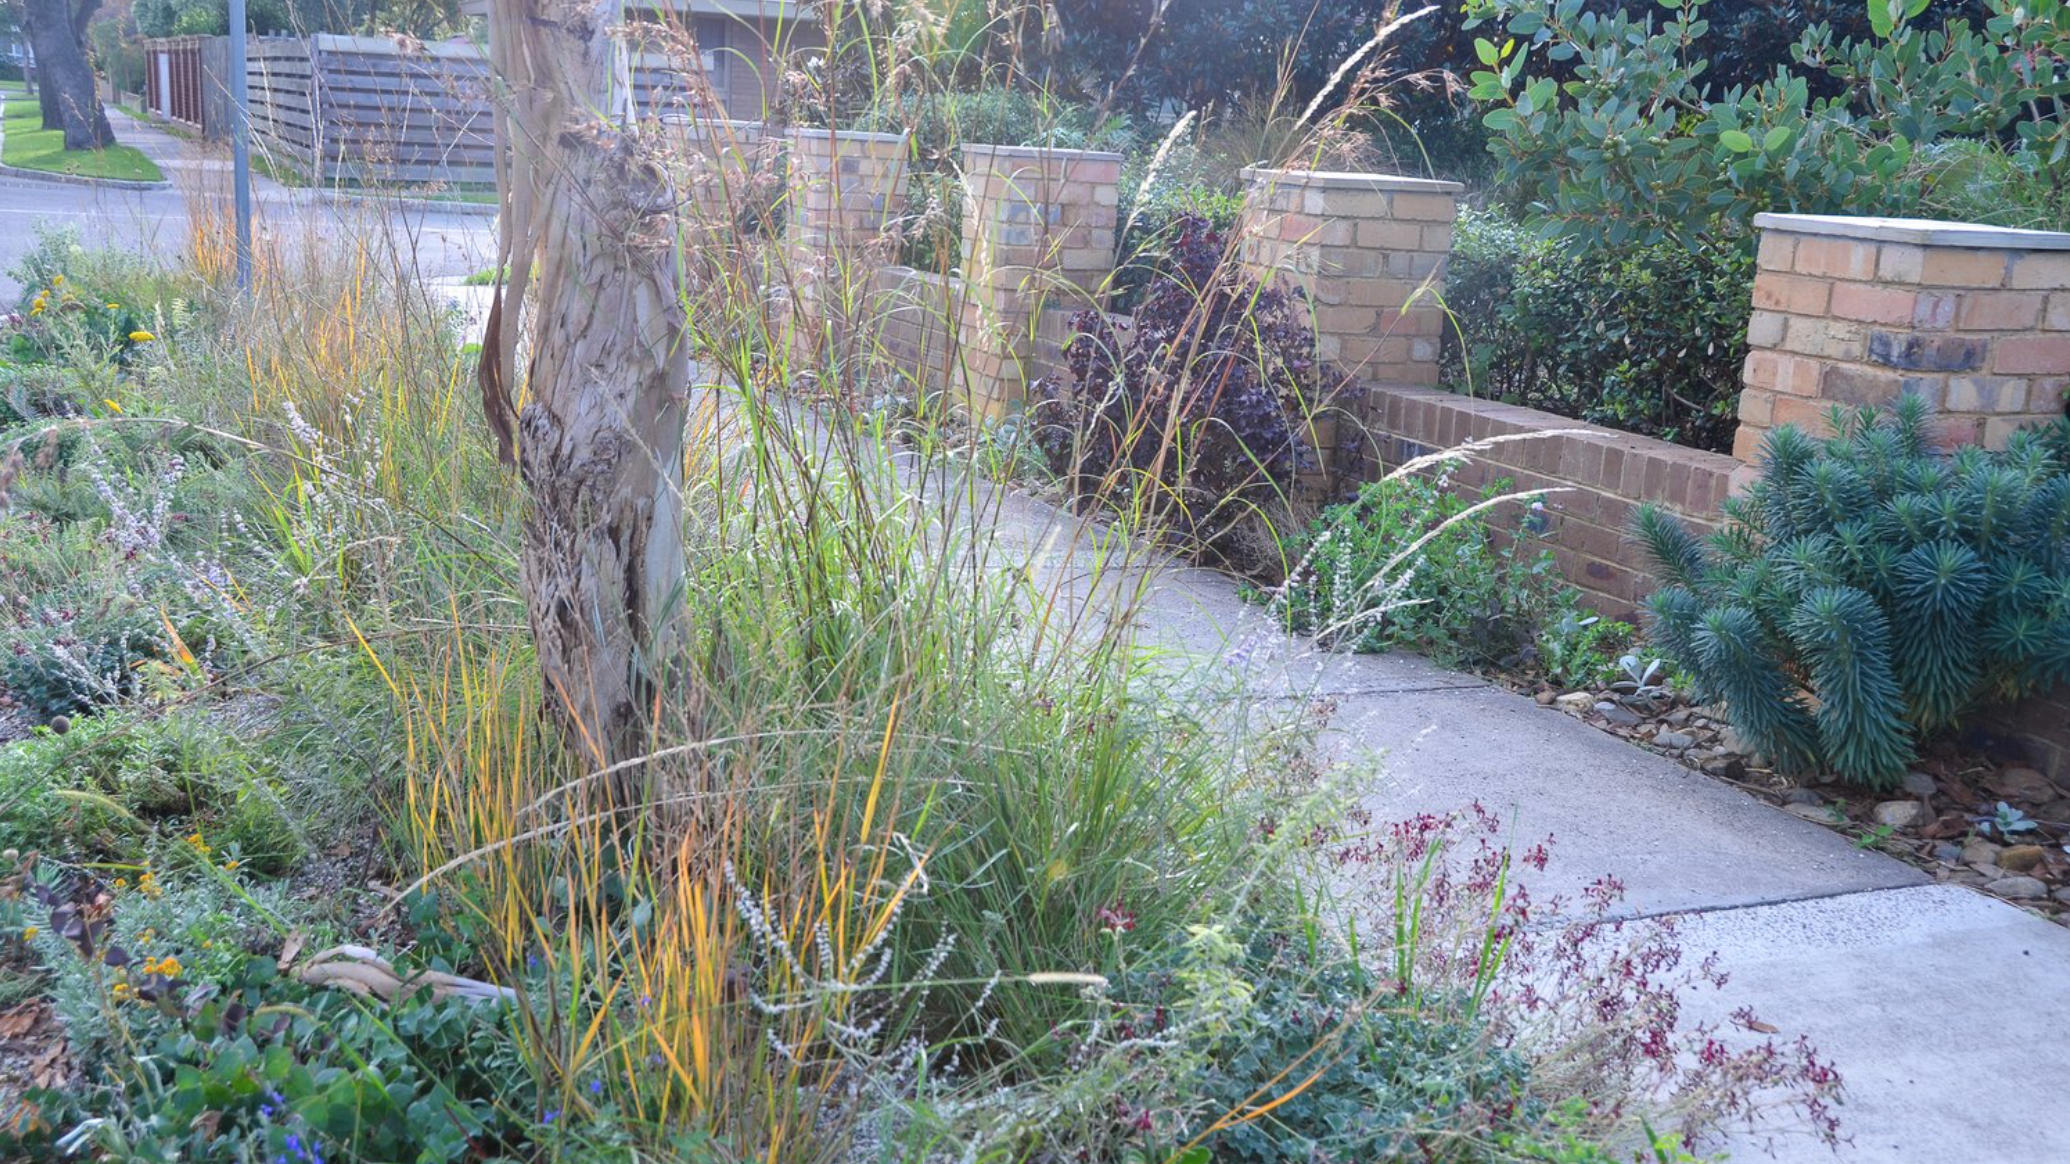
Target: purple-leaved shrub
{"type": "Point", "coordinates": [1196, 410]}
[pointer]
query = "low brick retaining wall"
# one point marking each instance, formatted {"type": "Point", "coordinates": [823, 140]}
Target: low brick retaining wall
{"type": "Point", "coordinates": [917, 340]}
{"type": "Point", "coordinates": [1608, 475]}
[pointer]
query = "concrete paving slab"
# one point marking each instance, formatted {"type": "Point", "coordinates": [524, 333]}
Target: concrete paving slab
{"type": "Point", "coordinates": [1678, 839]}
{"type": "Point", "coordinates": [1946, 1011]}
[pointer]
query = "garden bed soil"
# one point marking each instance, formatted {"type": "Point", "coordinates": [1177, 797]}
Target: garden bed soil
{"type": "Point", "coordinates": [1961, 816]}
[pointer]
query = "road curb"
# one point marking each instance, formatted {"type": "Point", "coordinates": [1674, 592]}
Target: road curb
{"type": "Point", "coordinates": [427, 205]}
{"type": "Point", "coordinates": [7, 171]}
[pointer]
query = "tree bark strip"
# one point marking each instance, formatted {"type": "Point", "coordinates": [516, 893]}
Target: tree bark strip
{"type": "Point", "coordinates": [588, 245]}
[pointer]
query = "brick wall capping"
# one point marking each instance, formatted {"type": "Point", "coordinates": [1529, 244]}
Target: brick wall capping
{"type": "Point", "coordinates": [809, 133]}
{"type": "Point", "coordinates": [1927, 232]}
{"type": "Point", "coordinates": [980, 149]}
{"type": "Point", "coordinates": [1524, 419]}
{"type": "Point", "coordinates": [744, 130]}
{"type": "Point", "coordinates": [1345, 180]}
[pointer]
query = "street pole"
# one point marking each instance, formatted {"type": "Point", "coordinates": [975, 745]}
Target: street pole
{"type": "Point", "coordinates": [240, 145]}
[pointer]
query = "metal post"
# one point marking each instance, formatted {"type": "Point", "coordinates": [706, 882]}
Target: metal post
{"type": "Point", "coordinates": [240, 145]}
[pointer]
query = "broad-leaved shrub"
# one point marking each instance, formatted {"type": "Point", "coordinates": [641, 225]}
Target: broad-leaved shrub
{"type": "Point", "coordinates": [1643, 339]}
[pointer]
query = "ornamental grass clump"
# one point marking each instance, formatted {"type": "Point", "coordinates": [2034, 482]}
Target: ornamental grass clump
{"type": "Point", "coordinates": [1869, 594]}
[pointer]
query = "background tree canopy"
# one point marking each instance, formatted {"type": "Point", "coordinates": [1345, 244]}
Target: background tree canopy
{"type": "Point", "coordinates": [211, 17]}
{"type": "Point", "coordinates": [1202, 51]}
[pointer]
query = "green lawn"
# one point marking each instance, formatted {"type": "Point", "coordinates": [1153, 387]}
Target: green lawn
{"type": "Point", "coordinates": [34, 148]}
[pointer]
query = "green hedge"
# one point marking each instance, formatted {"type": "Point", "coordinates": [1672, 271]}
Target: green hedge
{"type": "Point", "coordinates": [1646, 339]}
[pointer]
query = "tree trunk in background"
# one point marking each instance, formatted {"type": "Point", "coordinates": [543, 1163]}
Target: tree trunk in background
{"type": "Point", "coordinates": [600, 442]}
{"type": "Point", "coordinates": [65, 81]}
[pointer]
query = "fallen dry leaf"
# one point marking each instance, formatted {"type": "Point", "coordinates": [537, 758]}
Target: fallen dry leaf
{"type": "Point", "coordinates": [292, 947]}
{"type": "Point", "coordinates": [21, 1020]}
{"type": "Point", "coordinates": [363, 972]}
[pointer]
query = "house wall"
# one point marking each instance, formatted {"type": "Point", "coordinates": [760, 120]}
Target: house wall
{"type": "Point", "coordinates": [750, 55]}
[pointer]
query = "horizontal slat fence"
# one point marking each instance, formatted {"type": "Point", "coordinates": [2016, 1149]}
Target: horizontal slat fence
{"type": "Point", "coordinates": [280, 91]}
{"type": "Point", "coordinates": [413, 113]}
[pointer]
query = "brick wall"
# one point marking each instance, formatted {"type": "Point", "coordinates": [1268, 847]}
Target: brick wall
{"type": "Point", "coordinates": [844, 187]}
{"type": "Point", "coordinates": [1367, 251]}
{"type": "Point", "coordinates": [1608, 474]}
{"type": "Point", "coordinates": [1858, 311]}
{"type": "Point", "coordinates": [1038, 242]}
{"type": "Point", "coordinates": [723, 165]}
{"type": "Point", "coordinates": [2036, 733]}
{"type": "Point", "coordinates": [918, 343]}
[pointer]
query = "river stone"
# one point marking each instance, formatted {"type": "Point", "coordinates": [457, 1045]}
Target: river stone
{"type": "Point", "coordinates": [1978, 851]}
{"type": "Point", "coordinates": [1617, 715]}
{"type": "Point", "coordinates": [1898, 814]}
{"type": "Point", "coordinates": [2022, 888]}
{"type": "Point", "coordinates": [2020, 858]}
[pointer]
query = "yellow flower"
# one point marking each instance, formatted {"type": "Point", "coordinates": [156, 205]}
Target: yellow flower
{"type": "Point", "coordinates": [232, 864]}
{"type": "Point", "coordinates": [57, 281]}
{"type": "Point", "coordinates": [36, 308]}
{"type": "Point", "coordinates": [141, 337]}
{"type": "Point", "coordinates": [122, 883]}
{"type": "Point", "coordinates": [112, 406]}
{"type": "Point", "coordinates": [114, 306]}
{"type": "Point", "coordinates": [29, 935]}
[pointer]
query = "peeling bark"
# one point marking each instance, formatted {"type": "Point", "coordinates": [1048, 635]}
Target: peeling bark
{"type": "Point", "coordinates": [599, 444]}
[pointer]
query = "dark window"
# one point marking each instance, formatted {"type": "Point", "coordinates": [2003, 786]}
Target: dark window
{"type": "Point", "coordinates": [711, 41]}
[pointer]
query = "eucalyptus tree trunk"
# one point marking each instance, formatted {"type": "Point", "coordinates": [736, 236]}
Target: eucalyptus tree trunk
{"type": "Point", "coordinates": [588, 248]}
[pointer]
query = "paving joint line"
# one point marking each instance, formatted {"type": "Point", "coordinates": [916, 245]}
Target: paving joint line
{"type": "Point", "coordinates": [1769, 903]}
{"type": "Point", "coordinates": [1323, 691]}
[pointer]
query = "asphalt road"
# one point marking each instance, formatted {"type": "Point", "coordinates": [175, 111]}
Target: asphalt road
{"type": "Point", "coordinates": [155, 222]}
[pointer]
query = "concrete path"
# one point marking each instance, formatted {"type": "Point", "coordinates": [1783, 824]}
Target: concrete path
{"type": "Point", "coordinates": [1947, 1012]}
